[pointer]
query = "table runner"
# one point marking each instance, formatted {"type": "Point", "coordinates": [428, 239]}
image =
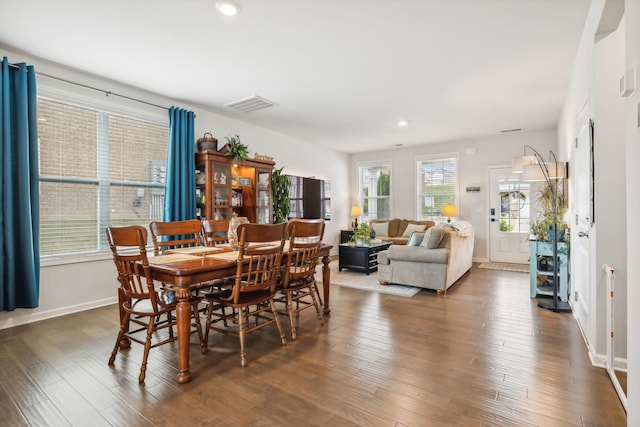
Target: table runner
{"type": "Point", "coordinates": [169, 258]}
{"type": "Point", "coordinates": [225, 256]}
{"type": "Point", "coordinates": [196, 250]}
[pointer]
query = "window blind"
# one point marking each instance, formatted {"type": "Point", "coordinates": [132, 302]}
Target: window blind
{"type": "Point", "coordinates": [436, 186]}
{"type": "Point", "coordinates": [97, 169]}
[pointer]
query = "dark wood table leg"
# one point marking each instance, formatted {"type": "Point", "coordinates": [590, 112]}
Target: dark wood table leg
{"type": "Point", "coordinates": [183, 320]}
{"type": "Point", "coordinates": [326, 283]}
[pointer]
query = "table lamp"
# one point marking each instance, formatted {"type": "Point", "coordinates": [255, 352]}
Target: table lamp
{"type": "Point", "coordinates": [356, 211]}
{"type": "Point", "coordinates": [449, 211]}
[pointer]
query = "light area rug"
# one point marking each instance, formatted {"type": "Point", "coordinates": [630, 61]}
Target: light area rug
{"type": "Point", "coordinates": [522, 268]}
{"type": "Point", "coordinates": [356, 280]}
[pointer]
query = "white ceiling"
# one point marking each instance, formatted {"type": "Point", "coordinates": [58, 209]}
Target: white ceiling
{"type": "Point", "coordinates": [342, 72]}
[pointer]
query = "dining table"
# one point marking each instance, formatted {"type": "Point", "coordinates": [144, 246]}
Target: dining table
{"type": "Point", "coordinates": [185, 269]}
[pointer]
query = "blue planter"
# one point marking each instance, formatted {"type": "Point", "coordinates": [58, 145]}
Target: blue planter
{"type": "Point", "coordinates": [560, 234]}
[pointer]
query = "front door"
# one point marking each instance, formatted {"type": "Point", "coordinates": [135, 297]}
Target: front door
{"type": "Point", "coordinates": [509, 213]}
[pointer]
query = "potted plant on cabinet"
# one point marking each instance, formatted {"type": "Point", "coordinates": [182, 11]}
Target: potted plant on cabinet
{"type": "Point", "coordinates": [237, 149]}
{"type": "Point", "coordinates": [542, 227]}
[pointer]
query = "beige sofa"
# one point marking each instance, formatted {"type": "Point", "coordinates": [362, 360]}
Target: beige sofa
{"type": "Point", "coordinates": [436, 268]}
{"type": "Point", "coordinates": [398, 231]}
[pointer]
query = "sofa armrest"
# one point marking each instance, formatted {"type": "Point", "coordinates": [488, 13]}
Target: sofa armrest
{"type": "Point", "coordinates": [383, 257]}
{"type": "Point", "coordinates": [418, 254]}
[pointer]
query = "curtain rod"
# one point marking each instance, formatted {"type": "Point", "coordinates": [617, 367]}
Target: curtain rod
{"type": "Point", "coordinates": [106, 92]}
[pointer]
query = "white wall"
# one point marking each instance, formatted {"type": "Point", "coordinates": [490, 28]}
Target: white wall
{"type": "Point", "coordinates": [71, 285]}
{"type": "Point", "coordinates": [498, 150]}
{"type": "Point", "coordinates": [610, 184]}
{"type": "Point", "coordinates": [632, 128]}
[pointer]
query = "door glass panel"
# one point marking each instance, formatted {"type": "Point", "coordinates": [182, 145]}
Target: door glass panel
{"type": "Point", "coordinates": [515, 207]}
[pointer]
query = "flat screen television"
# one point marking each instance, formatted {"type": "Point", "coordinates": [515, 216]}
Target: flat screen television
{"type": "Point", "coordinates": [310, 198]}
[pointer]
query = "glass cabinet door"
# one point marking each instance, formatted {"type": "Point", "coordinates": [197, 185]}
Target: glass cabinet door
{"type": "Point", "coordinates": [264, 204]}
{"type": "Point", "coordinates": [201, 185]}
{"type": "Point", "coordinates": [221, 174]}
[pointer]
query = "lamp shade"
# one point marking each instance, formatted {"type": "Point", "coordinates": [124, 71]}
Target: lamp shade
{"type": "Point", "coordinates": [356, 210]}
{"type": "Point", "coordinates": [535, 172]}
{"type": "Point", "coordinates": [558, 170]}
{"type": "Point", "coordinates": [518, 163]}
{"type": "Point", "coordinates": [449, 210]}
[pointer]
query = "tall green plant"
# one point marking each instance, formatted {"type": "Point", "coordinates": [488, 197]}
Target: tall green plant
{"type": "Point", "coordinates": [280, 184]}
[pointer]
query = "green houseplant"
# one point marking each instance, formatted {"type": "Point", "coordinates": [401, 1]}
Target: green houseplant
{"type": "Point", "coordinates": [361, 236]}
{"type": "Point", "coordinates": [542, 227]}
{"type": "Point", "coordinates": [280, 184]}
{"type": "Point", "coordinates": [237, 149]}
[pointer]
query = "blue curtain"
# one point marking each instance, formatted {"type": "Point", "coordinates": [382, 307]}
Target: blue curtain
{"type": "Point", "coordinates": [180, 187]}
{"type": "Point", "coordinates": [19, 214]}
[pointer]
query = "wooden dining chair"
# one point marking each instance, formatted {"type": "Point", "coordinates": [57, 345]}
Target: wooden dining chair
{"type": "Point", "coordinates": [251, 297]}
{"type": "Point", "coordinates": [214, 232]}
{"type": "Point", "coordinates": [298, 283]}
{"type": "Point", "coordinates": [144, 308]}
{"type": "Point", "coordinates": [167, 235]}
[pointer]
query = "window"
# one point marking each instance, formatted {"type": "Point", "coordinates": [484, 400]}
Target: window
{"type": "Point", "coordinates": [437, 183]}
{"type": "Point", "coordinates": [97, 169]}
{"type": "Point", "coordinates": [375, 191]}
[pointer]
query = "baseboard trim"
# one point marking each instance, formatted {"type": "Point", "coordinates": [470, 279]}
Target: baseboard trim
{"type": "Point", "coordinates": [25, 316]}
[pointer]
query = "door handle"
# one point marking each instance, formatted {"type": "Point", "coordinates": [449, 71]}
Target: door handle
{"type": "Point", "coordinates": [583, 234]}
{"type": "Point", "coordinates": [493, 220]}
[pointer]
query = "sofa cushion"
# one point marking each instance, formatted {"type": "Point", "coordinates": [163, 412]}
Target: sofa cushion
{"type": "Point", "coordinates": [419, 254]}
{"type": "Point", "coordinates": [381, 228]}
{"type": "Point", "coordinates": [416, 238]}
{"type": "Point", "coordinates": [396, 240]}
{"type": "Point", "coordinates": [411, 228]}
{"type": "Point", "coordinates": [394, 227]}
{"type": "Point", "coordinates": [432, 238]}
{"type": "Point", "coordinates": [404, 223]}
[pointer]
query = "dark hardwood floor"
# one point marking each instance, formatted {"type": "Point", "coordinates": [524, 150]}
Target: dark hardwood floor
{"type": "Point", "coordinates": [484, 355]}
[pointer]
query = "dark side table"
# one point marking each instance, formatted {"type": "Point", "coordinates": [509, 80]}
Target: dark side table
{"type": "Point", "coordinates": [362, 258]}
{"type": "Point", "coordinates": [345, 235]}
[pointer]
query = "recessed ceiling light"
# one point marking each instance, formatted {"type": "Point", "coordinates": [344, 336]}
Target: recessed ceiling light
{"type": "Point", "coordinates": [403, 123]}
{"type": "Point", "coordinates": [228, 7]}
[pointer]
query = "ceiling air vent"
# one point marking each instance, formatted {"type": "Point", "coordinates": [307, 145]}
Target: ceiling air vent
{"type": "Point", "coordinates": [511, 130]}
{"type": "Point", "coordinates": [250, 104]}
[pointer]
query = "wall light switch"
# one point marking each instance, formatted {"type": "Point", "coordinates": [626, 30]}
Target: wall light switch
{"type": "Point", "coordinates": [628, 82]}
{"type": "Point", "coordinates": [140, 192]}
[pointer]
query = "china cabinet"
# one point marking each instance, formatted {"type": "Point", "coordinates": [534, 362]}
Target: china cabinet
{"type": "Point", "coordinates": [225, 188]}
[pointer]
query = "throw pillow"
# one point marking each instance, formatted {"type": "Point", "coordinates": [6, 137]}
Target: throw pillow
{"type": "Point", "coordinates": [432, 238]}
{"type": "Point", "coordinates": [381, 228]}
{"type": "Point", "coordinates": [416, 238]}
{"type": "Point", "coordinates": [411, 228]}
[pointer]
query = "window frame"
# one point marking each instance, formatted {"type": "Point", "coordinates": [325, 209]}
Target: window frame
{"type": "Point", "coordinates": [360, 201]}
{"type": "Point", "coordinates": [84, 97]}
